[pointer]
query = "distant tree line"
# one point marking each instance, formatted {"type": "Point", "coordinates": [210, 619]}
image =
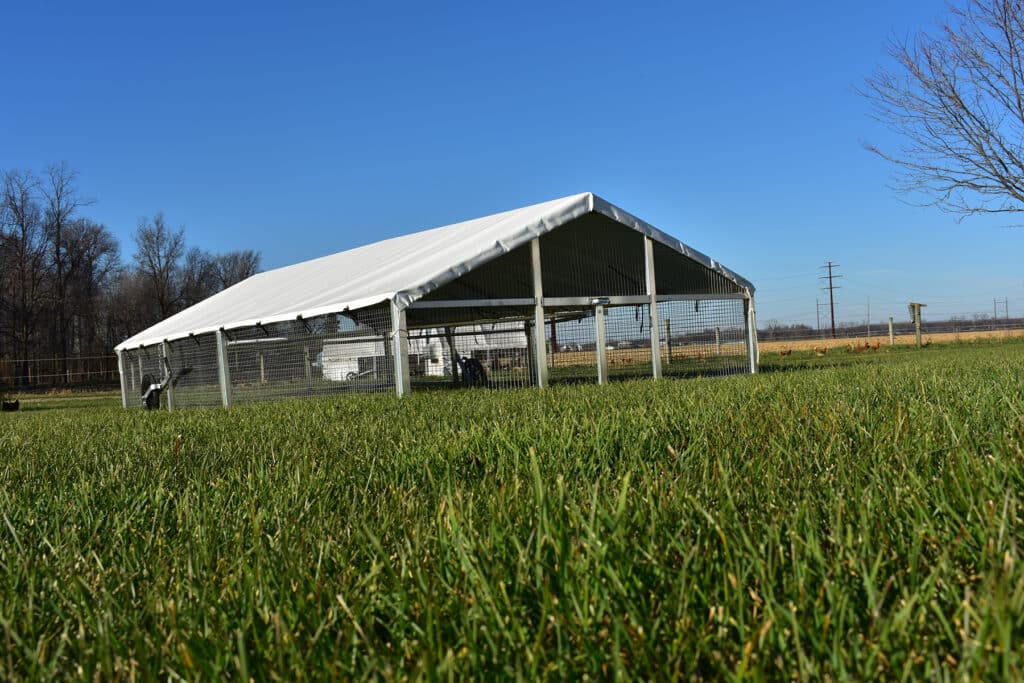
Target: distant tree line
{"type": "Point", "coordinates": [66, 292]}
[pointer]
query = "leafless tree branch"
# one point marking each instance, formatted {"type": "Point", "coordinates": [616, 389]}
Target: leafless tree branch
{"type": "Point", "coordinates": [957, 100]}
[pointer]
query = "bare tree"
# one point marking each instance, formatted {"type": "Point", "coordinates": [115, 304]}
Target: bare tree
{"type": "Point", "coordinates": [23, 265]}
{"type": "Point", "coordinates": [93, 262]}
{"type": "Point", "coordinates": [957, 100]}
{"type": "Point", "coordinates": [61, 202]}
{"type": "Point", "coordinates": [235, 266]}
{"type": "Point", "coordinates": [199, 276]}
{"type": "Point", "coordinates": [158, 255]}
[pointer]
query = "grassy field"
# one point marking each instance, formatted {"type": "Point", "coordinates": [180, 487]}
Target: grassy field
{"type": "Point", "coordinates": [850, 516]}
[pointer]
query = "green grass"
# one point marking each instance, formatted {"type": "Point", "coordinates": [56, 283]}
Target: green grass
{"type": "Point", "coordinates": [853, 516]}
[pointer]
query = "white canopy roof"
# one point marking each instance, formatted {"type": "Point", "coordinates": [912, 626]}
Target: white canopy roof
{"type": "Point", "coordinates": [401, 269]}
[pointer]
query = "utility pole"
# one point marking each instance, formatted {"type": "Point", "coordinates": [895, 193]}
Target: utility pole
{"type": "Point", "coordinates": [831, 298]}
{"type": "Point", "coordinates": [817, 313]}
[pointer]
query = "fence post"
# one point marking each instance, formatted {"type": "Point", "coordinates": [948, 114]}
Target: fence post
{"type": "Point", "coordinates": [223, 370]}
{"type": "Point", "coordinates": [892, 337]}
{"type": "Point", "coordinates": [400, 349]}
{"type": "Point", "coordinates": [540, 356]}
{"type": "Point", "coordinates": [718, 340]}
{"type": "Point", "coordinates": [652, 294]}
{"type": "Point", "coordinates": [915, 311]}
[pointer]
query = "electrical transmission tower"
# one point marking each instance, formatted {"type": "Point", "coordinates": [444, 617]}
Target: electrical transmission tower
{"type": "Point", "coordinates": [831, 287]}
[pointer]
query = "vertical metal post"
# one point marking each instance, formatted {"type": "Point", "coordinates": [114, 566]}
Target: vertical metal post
{"type": "Point", "coordinates": [400, 349]}
{"type": "Point", "coordinates": [718, 340]}
{"type": "Point", "coordinates": [751, 324]}
{"type": "Point", "coordinates": [531, 367]}
{"type": "Point", "coordinates": [165, 352]}
{"type": "Point", "coordinates": [540, 350]}
{"type": "Point", "coordinates": [892, 337]}
{"type": "Point", "coordinates": [652, 293]}
{"type": "Point", "coordinates": [263, 369]}
{"type": "Point", "coordinates": [602, 345]}
{"type": "Point", "coordinates": [124, 380]}
{"type": "Point", "coordinates": [223, 370]}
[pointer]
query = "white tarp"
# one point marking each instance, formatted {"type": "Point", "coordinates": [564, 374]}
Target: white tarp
{"type": "Point", "coordinates": [401, 269]}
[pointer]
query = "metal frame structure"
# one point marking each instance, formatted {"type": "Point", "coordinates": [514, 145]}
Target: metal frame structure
{"type": "Point", "coordinates": [508, 326]}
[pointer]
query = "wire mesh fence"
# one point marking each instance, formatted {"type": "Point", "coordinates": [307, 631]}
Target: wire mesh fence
{"type": "Point", "coordinates": [141, 366]}
{"type": "Point", "coordinates": [628, 342]}
{"type": "Point", "coordinates": [193, 363]}
{"type": "Point", "coordinates": [487, 354]}
{"type": "Point", "coordinates": [703, 337]}
{"type": "Point", "coordinates": [354, 352]}
{"type": "Point", "coordinates": [41, 372]}
{"type": "Point", "coordinates": [572, 347]}
{"type": "Point", "coordinates": [325, 355]}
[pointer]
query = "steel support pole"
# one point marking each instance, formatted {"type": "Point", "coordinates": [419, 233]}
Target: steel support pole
{"type": "Point", "coordinates": [751, 324]}
{"type": "Point", "coordinates": [652, 294]}
{"type": "Point", "coordinates": [223, 369]}
{"type": "Point", "coordinates": [165, 352]}
{"type": "Point", "coordinates": [602, 345]}
{"type": "Point", "coordinates": [400, 349]}
{"type": "Point", "coordinates": [531, 367]}
{"type": "Point", "coordinates": [124, 380]}
{"type": "Point", "coordinates": [540, 350]}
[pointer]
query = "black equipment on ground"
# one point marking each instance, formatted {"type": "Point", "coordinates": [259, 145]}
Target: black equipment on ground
{"type": "Point", "coordinates": [151, 389]}
{"type": "Point", "coordinates": [473, 372]}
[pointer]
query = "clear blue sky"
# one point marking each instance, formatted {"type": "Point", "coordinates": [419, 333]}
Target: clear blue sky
{"type": "Point", "coordinates": [304, 131]}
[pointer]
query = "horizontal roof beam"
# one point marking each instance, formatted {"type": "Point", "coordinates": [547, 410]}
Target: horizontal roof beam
{"type": "Point", "coordinates": [549, 301]}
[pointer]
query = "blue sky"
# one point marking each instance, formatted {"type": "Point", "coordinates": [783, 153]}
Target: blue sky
{"type": "Point", "coordinates": [301, 131]}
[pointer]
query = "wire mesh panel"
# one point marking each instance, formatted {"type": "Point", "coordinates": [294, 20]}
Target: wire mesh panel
{"type": "Point", "coordinates": [703, 338]}
{"type": "Point", "coordinates": [337, 353]}
{"type": "Point", "coordinates": [193, 367]}
{"type": "Point", "coordinates": [593, 256]}
{"type": "Point", "coordinates": [485, 354]}
{"type": "Point", "coordinates": [628, 339]}
{"type": "Point", "coordinates": [139, 363]}
{"type": "Point", "coordinates": [572, 347]}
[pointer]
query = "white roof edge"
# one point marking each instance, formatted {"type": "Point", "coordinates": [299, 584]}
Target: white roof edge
{"type": "Point", "coordinates": [133, 343]}
{"type": "Point", "coordinates": [555, 214]}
